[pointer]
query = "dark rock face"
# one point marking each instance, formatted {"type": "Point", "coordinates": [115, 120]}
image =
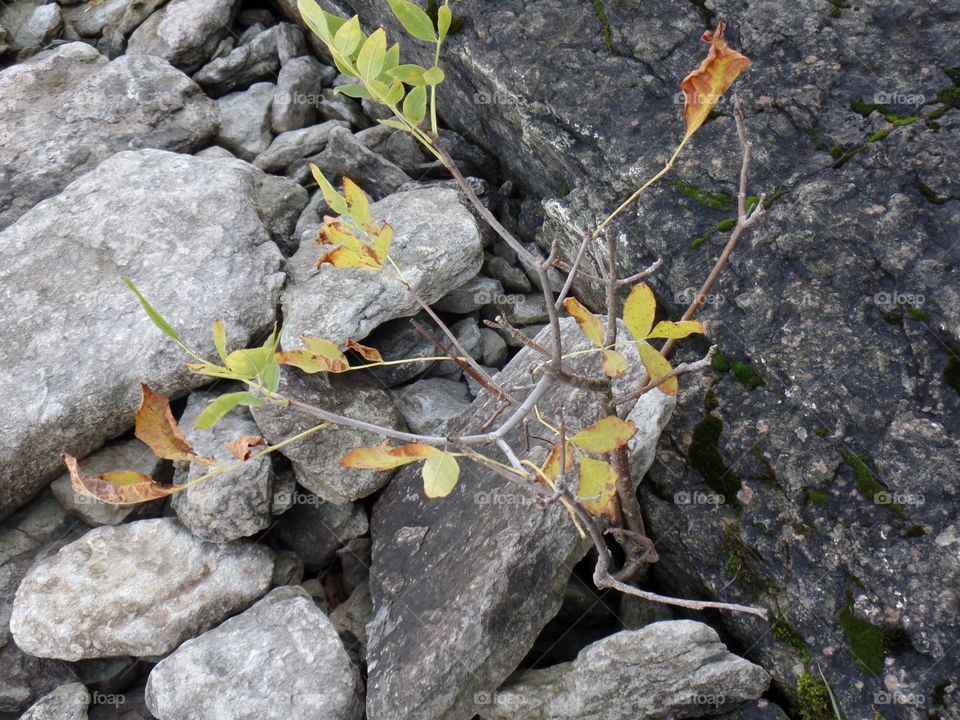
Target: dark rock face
{"type": "Point", "coordinates": [844, 301]}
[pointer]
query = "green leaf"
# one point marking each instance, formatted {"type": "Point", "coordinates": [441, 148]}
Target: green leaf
{"type": "Point", "coordinates": [434, 76]}
{"type": "Point", "coordinates": [395, 94]}
{"type": "Point", "coordinates": [157, 318]}
{"type": "Point", "coordinates": [444, 19]}
{"type": "Point", "coordinates": [348, 37]}
{"type": "Point", "coordinates": [605, 435]}
{"type": "Point", "coordinates": [315, 18]}
{"type": "Point", "coordinates": [392, 58]}
{"type": "Point", "coordinates": [440, 475]}
{"type": "Point", "coordinates": [598, 479]}
{"type": "Point", "coordinates": [357, 204]}
{"type": "Point", "coordinates": [396, 124]}
{"type": "Point", "coordinates": [334, 199]}
{"type": "Point", "coordinates": [249, 363]}
{"type": "Point", "coordinates": [372, 54]}
{"type": "Point", "coordinates": [220, 407]}
{"type": "Point", "coordinates": [638, 311]}
{"type": "Point", "coordinates": [211, 370]}
{"type": "Point", "coordinates": [410, 74]}
{"type": "Point", "coordinates": [220, 339]}
{"type": "Point", "coordinates": [354, 90]}
{"type": "Point", "coordinates": [414, 20]}
{"type": "Point", "coordinates": [681, 329]}
{"type": "Point", "coordinates": [271, 375]}
{"type": "Point", "coordinates": [415, 105]}
{"type": "Point", "coordinates": [334, 22]}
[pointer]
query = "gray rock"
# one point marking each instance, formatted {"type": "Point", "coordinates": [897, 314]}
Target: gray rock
{"type": "Point", "coordinates": [215, 151]}
{"type": "Point", "coordinates": [67, 109]}
{"type": "Point", "coordinates": [287, 568]}
{"type": "Point", "coordinates": [67, 702]}
{"type": "Point", "coordinates": [428, 404]}
{"type": "Point", "coordinates": [184, 229]}
{"type": "Point", "coordinates": [335, 106]}
{"type": "Point", "coordinates": [281, 201]}
{"type": "Point", "coordinates": [316, 459]}
{"type": "Point", "coordinates": [245, 125]}
{"type": "Point", "coordinates": [311, 218]}
{"type": "Point", "coordinates": [344, 155]}
{"type": "Point", "coordinates": [248, 63]}
{"type": "Point", "coordinates": [513, 277]}
{"type": "Point", "coordinates": [467, 332]}
{"type": "Point", "coordinates": [531, 331]}
{"type": "Point", "coordinates": [350, 618]}
{"type": "Point", "coordinates": [183, 586]}
{"type": "Point", "coordinates": [400, 148]}
{"type": "Point", "coordinates": [299, 85]}
{"type": "Point", "coordinates": [520, 310]}
{"type": "Point", "coordinates": [494, 352]}
{"type": "Point", "coordinates": [314, 528]}
{"type": "Point", "coordinates": [668, 669]}
{"type": "Point", "coordinates": [125, 455]}
{"type": "Point", "coordinates": [290, 43]}
{"type": "Point", "coordinates": [91, 20]}
{"type": "Point", "coordinates": [280, 659]}
{"type": "Point", "coordinates": [470, 296]}
{"type": "Point", "coordinates": [436, 246]}
{"type": "Point", "coordinates": [485, 603]}
{"type": "Point", "coordinates": [232, 505]}
{"type": "Point", "coordinates": [30, 25]}
{"type": "Point", "coordinates": [294, 146]}
{"type": "Point", "coordinates": [184, 32]}
{"type": "Point", "coordinates": [354, 563]}
{"type": "Point", "coordinates": [400, 339]}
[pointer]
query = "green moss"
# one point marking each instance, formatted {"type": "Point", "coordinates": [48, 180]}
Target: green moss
{"type": "Point", "coordinates": [721, 226]}
{"type": "Point", "coordinates": [951, 372]}
{"type": "Point", "coordinates": [918, 314]}
{"type": "Point", "coordinates": [715, 201]}
{"type": "Point", "coordinates": [953, 73]}
{"type": "Point", "coordinates": [846, 154]}
{"type": "Point", "coordinates": [743, 372]}
{"type": "Point", "coordinates": [892, 317]}
{"type": "Point", "coordinates": [866, 483]}
{"type": "Point", "coordinates": [935, 114]}
{"type": "Point", "coordinates": [705, 458]}
{"type": "Point", "coordinates": [837, 151]}
{"type": "Point", "coordinates": [915, 531]}
{"type": "Point", "coordinates": [606, 30]}
{"type": "Point", "coordinates": [868, 643]}
{"type": "Point", "coordinates": [741, 559]}
{"type": "Point", "coordinates": [949, 96]}
{"type": "Point", "coordinates": [563, 191]}
{"type": "Point", "coordinates": [865, 108]}
{"type": "Point", "coordinates": [821, 431]}
{"type": "Point", "coordinates": [813, 698]}
{"type": "Point", "coordinates": [817, 497]}
{"type": "Point", "coordinates": [928, 193]}
{"type": "Point", "coordinates": [786, 633]}
{"type": "Point", "coordinates": [879, 135]}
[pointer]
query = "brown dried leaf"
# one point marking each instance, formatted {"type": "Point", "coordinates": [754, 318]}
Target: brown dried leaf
{"type": "Point", "coordinates": [155, 426]}
{"type": "Point", "coordinates": [117, 488]}
{"type": "Point", "coordinates": [240, 447]}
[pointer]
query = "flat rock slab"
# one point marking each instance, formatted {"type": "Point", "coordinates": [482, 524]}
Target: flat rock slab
{"type": "Point", "coordinates": [463, 585]}
{"type": "Point", "coordinates": [67, 109]}
{"type": "Point", "coordinates": [138, 589]}
{"type": "Point", "coordinates": [436, 245]}
{"type": "Point", "coordinates": [279, 660]}
{"type": "Point", "coordinates": [74, 341]}
{"type": "Point", "coordinates": [664, 670]}
{"type": "Point", "coordinates": [67, 702]}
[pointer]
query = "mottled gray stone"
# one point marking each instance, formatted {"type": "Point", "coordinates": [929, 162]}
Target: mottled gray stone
{"type": "Point", "coordinates": [279, 659]}
{"type": "Point", "coordinates": [296, 145]}
{"type": "Point", "coordinates": [125, 455]}
{"type": "Point", "coordinates": [350, 618]}
{"type": "Point", "coordinates": [314, 528]}
{"type": "Point", "coordinates": [494, 352]}
{"type": "Point", "coordinates": [184, 32]}
{"type": "Point", "coordinates": [248, 63]}
{"type": "Point", "coordinates": [30, 25]}
{"type": "Point", "coordinates": [232, 505]}
{"type": "Point", "coordinates": [316, 459]}
{"type": "Point", "coordinates": [67, 109]}
{"type": "Point", "coordinates": [183, 586]}
{"type": "Point", "coordinates": [245, 120]}
{"type": "Point", "coordinates": [344, 155]}
{"type": "Point", "coordinates": [280, 202]}
{"type": "Point", "coordinates": [669, 669]}
{"type": "Point", "coordinates": [428, 404]}
{"type": "Point", "coordinates": [188, 232]}
{"type": "Point", "coordinates": [519, 310]}
{"type": "Point", "coordinates": [436, 246]}
{"type": "Point", "coordinates": [299, 85]}
{"type": "Point", "coordinates": [470, 296]}
{"type": "Point", "coordinates": [67, 702]}
{"type": "Point", "coordinates": [513, 277]}
{"type": "Point", "coordinates": [335, 106]}
{"type": "Point", "coordinates": [109, 17]}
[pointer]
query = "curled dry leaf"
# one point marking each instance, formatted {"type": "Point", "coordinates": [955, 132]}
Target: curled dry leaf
{"type": "Point", "coordinates": [155, 426]}
{"type": "Point", "coordinates": [704, 86]}
{"type": "Point", "coordinates": [240, 447]}
{"type": "Point", "coordinates": [367, 353]}
{"type": "Point", "coordinates": [386, 457]}
{"type": "Point", "coordinates": [117, 488]}
{"type": "Point", "coordinates": [320, 356]}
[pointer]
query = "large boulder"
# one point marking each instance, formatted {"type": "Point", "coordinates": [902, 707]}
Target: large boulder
{"type": "Point", "coordinates": [677, 668]}
{"type": "Point", "coordinates": [843, 300]}
{"type": "Point", "coordinates": [436, 246]}
{"type": "Point", "coordinates": [279, 659]}
{"type": "Point", "coordinates": [67, 702]}
{"type": "Point", "coordinates": [67, 109]}
{"type": "Point", "coordinates": [463, 585]}
{"type": "Point", "coordinates": [73, 340]}
{"type": "Point", "coordinates": [81, 602]}
{"type": "Point", "coordinates": [184, 32]}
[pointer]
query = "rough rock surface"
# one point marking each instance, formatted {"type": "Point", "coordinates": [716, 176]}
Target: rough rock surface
{"type": "Point", "coordinates": [463, 585]}
{"type": "Point", "coordinates": [429, 403]}
{"type": "Point", "coordinates": [182, 587]}
{"type": "Point", "coordinates": [184, 32]}
{"type": "Point", "coordinates": [436, 245]}
{"type": "Point", "coordinates": [314, 529]}
{"type": "Point", "coordinates": [245, 120]}
{"type": "Point", "coordinates": [67, 702]}
{"type": "Point", "coordinates": [252, 61]}
{"type": "Point", "coordinates": [67, 109]}
{"type": "Point", "coordinates": [667, 669]}
{"type": "Point", "coordinates": [190, 232]}
{"type": "Point", "coordinates": [844, 299]}
{"type": "Point", "coordinates": [316, 459]}
{"type": "Point", "coordinates": [232, 505]}
{"type": "Point", "coordinates": [278, 660]}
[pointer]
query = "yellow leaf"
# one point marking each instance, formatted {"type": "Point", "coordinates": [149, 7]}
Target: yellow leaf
{"type": "Point", "coordinates": [614, 364]}
{"type": "Point", "coordinates": [334, 199]}
{"type": "Point", "coordinates": [589, 323]}
{"type": "Point", "coordinates": [320, 356]}
{"type": "Point", "coordinates": [117, 488]}
{"type": "Point", "coordinates": [440, 475]}
{"type": "Point", "coordinates": [658, 367]}
{"type": "Point", "coordinates": [357, 203]}
{"type": "Point", "coordinates": [551, 466]}
{"type": "Point", "coordinates": [605, 435]}
{"type": "Point", "coordinates": [337, 232]}
{"type": "Point", "coordinates": [386, 457]}
{"type": "Point", "coordinates": [155, 426]}
{"type": "Point", "coordinates": [667, 329]}
{"type": "Point", "coordinates": [240, 447]}
{"type": "Point", "coordinates": [598, 479]}
{"type": "Point", "coordinates": [367, 353]}
{"type": "Point", "coordinates": [220, 339]}
{"type": "Point", "coordinates": [704, 86]}
{"type": "Point", "coordinates": [383, 241]}
{"type": "Point", "coordinates": [638, 311]}
{"type": "Point", "coordinates": [341, 257]}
